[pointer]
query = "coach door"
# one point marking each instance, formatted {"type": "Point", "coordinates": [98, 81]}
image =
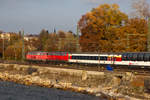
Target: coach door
{"type": "Point", "coordinates": [110, 59]}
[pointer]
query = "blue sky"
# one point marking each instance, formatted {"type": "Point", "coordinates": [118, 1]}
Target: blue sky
{"type": "Point", "coordinates": [35, 15]}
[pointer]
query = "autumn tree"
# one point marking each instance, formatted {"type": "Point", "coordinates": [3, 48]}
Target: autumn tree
{"type": "Point", "coordinates": [141, 9]}
{"type": "Point", "coordinates": [136, 30]}
{"type": "Point", "coordinates": [62, 41]}
{"type": "Point", "coordinates": [43, 36]}
{"type": "Point", "coordinates": [14, 37]}
{"type": "Point", "coordinates": [71, 41]}
{"type": "Point", "coordinates": [32, 44]}
{"type": "Point", "coordinates": [14, 51]}
{"type": "Point", "coordinates": [51, 43]}
{"type": "Point", "coordinates": [100, 28]}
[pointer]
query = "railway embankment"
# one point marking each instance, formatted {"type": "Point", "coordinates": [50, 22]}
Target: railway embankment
{"type": "Point", "coordinates": [111, 85]}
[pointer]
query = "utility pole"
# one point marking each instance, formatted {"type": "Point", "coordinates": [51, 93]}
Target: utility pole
{"type": "Point", "coordinates": [127, 41]}
{"type": "Point", "coordinates": [3, 47]}
{"type": "Point", "coordinates": [148, 36]}
{"type": "Point", "coordinates": [23, 55]}
{"type": "Point", "coordinates": [77, 43]}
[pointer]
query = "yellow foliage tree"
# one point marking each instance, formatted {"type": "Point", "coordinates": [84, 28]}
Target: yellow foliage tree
{"type": "Point", "coordinates": [100, 28]}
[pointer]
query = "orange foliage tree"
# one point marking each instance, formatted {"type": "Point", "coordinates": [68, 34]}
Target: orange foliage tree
{"type": "Point", "coordinates": [136, 33]}
{"type": "Point", "coordinates": [107, 29]}
{"type": "Point", "coordinates": [100, 28]}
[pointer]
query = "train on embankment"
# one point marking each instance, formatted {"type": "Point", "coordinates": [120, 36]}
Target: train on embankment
{"type": "Point", "coordinates": [125, 59]}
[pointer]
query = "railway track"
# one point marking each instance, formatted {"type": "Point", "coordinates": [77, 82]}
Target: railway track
{"type": "Point", "coordinates": [101, 68]}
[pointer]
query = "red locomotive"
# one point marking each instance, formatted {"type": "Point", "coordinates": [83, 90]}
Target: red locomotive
{"type": "Point", "coordinates": [47, 56]}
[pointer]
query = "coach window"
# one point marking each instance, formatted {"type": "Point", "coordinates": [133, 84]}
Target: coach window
{"type": "Point", "coordinates": [75, 57]}
{"type": "Point", "coordinates": [97, 58]}
{"type": "Point", "coordinates": [91, 57]}
{"type": "Point", "coordinates": [134, 57]}
{"type": "Point", "coordinates": [140, 57]}
{"type": "Point", "coordinates": [124, 56]}
{"type": "Point", "coordinates": [94, 57]}
{"type": "Point", "coordinates": [146, 56]}
{"type": "Point", "coordinates": [86, 57]}
{"type": "Point", "coordinates": [101, 58]}
{"type": "Point", "coordinates": [130, 57]}
{"type": "Point", "coordinates": [105, 58]}
{"type": "Point", "coordinates": [127, 58]}
{"type": "Point", "coordinates": [82, 57]}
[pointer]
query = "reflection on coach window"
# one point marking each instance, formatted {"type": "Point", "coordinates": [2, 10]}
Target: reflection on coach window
{"type": "Point", "coordinates": [140, 57]}
{"type": "Point", "coordinates": [147, 57]}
